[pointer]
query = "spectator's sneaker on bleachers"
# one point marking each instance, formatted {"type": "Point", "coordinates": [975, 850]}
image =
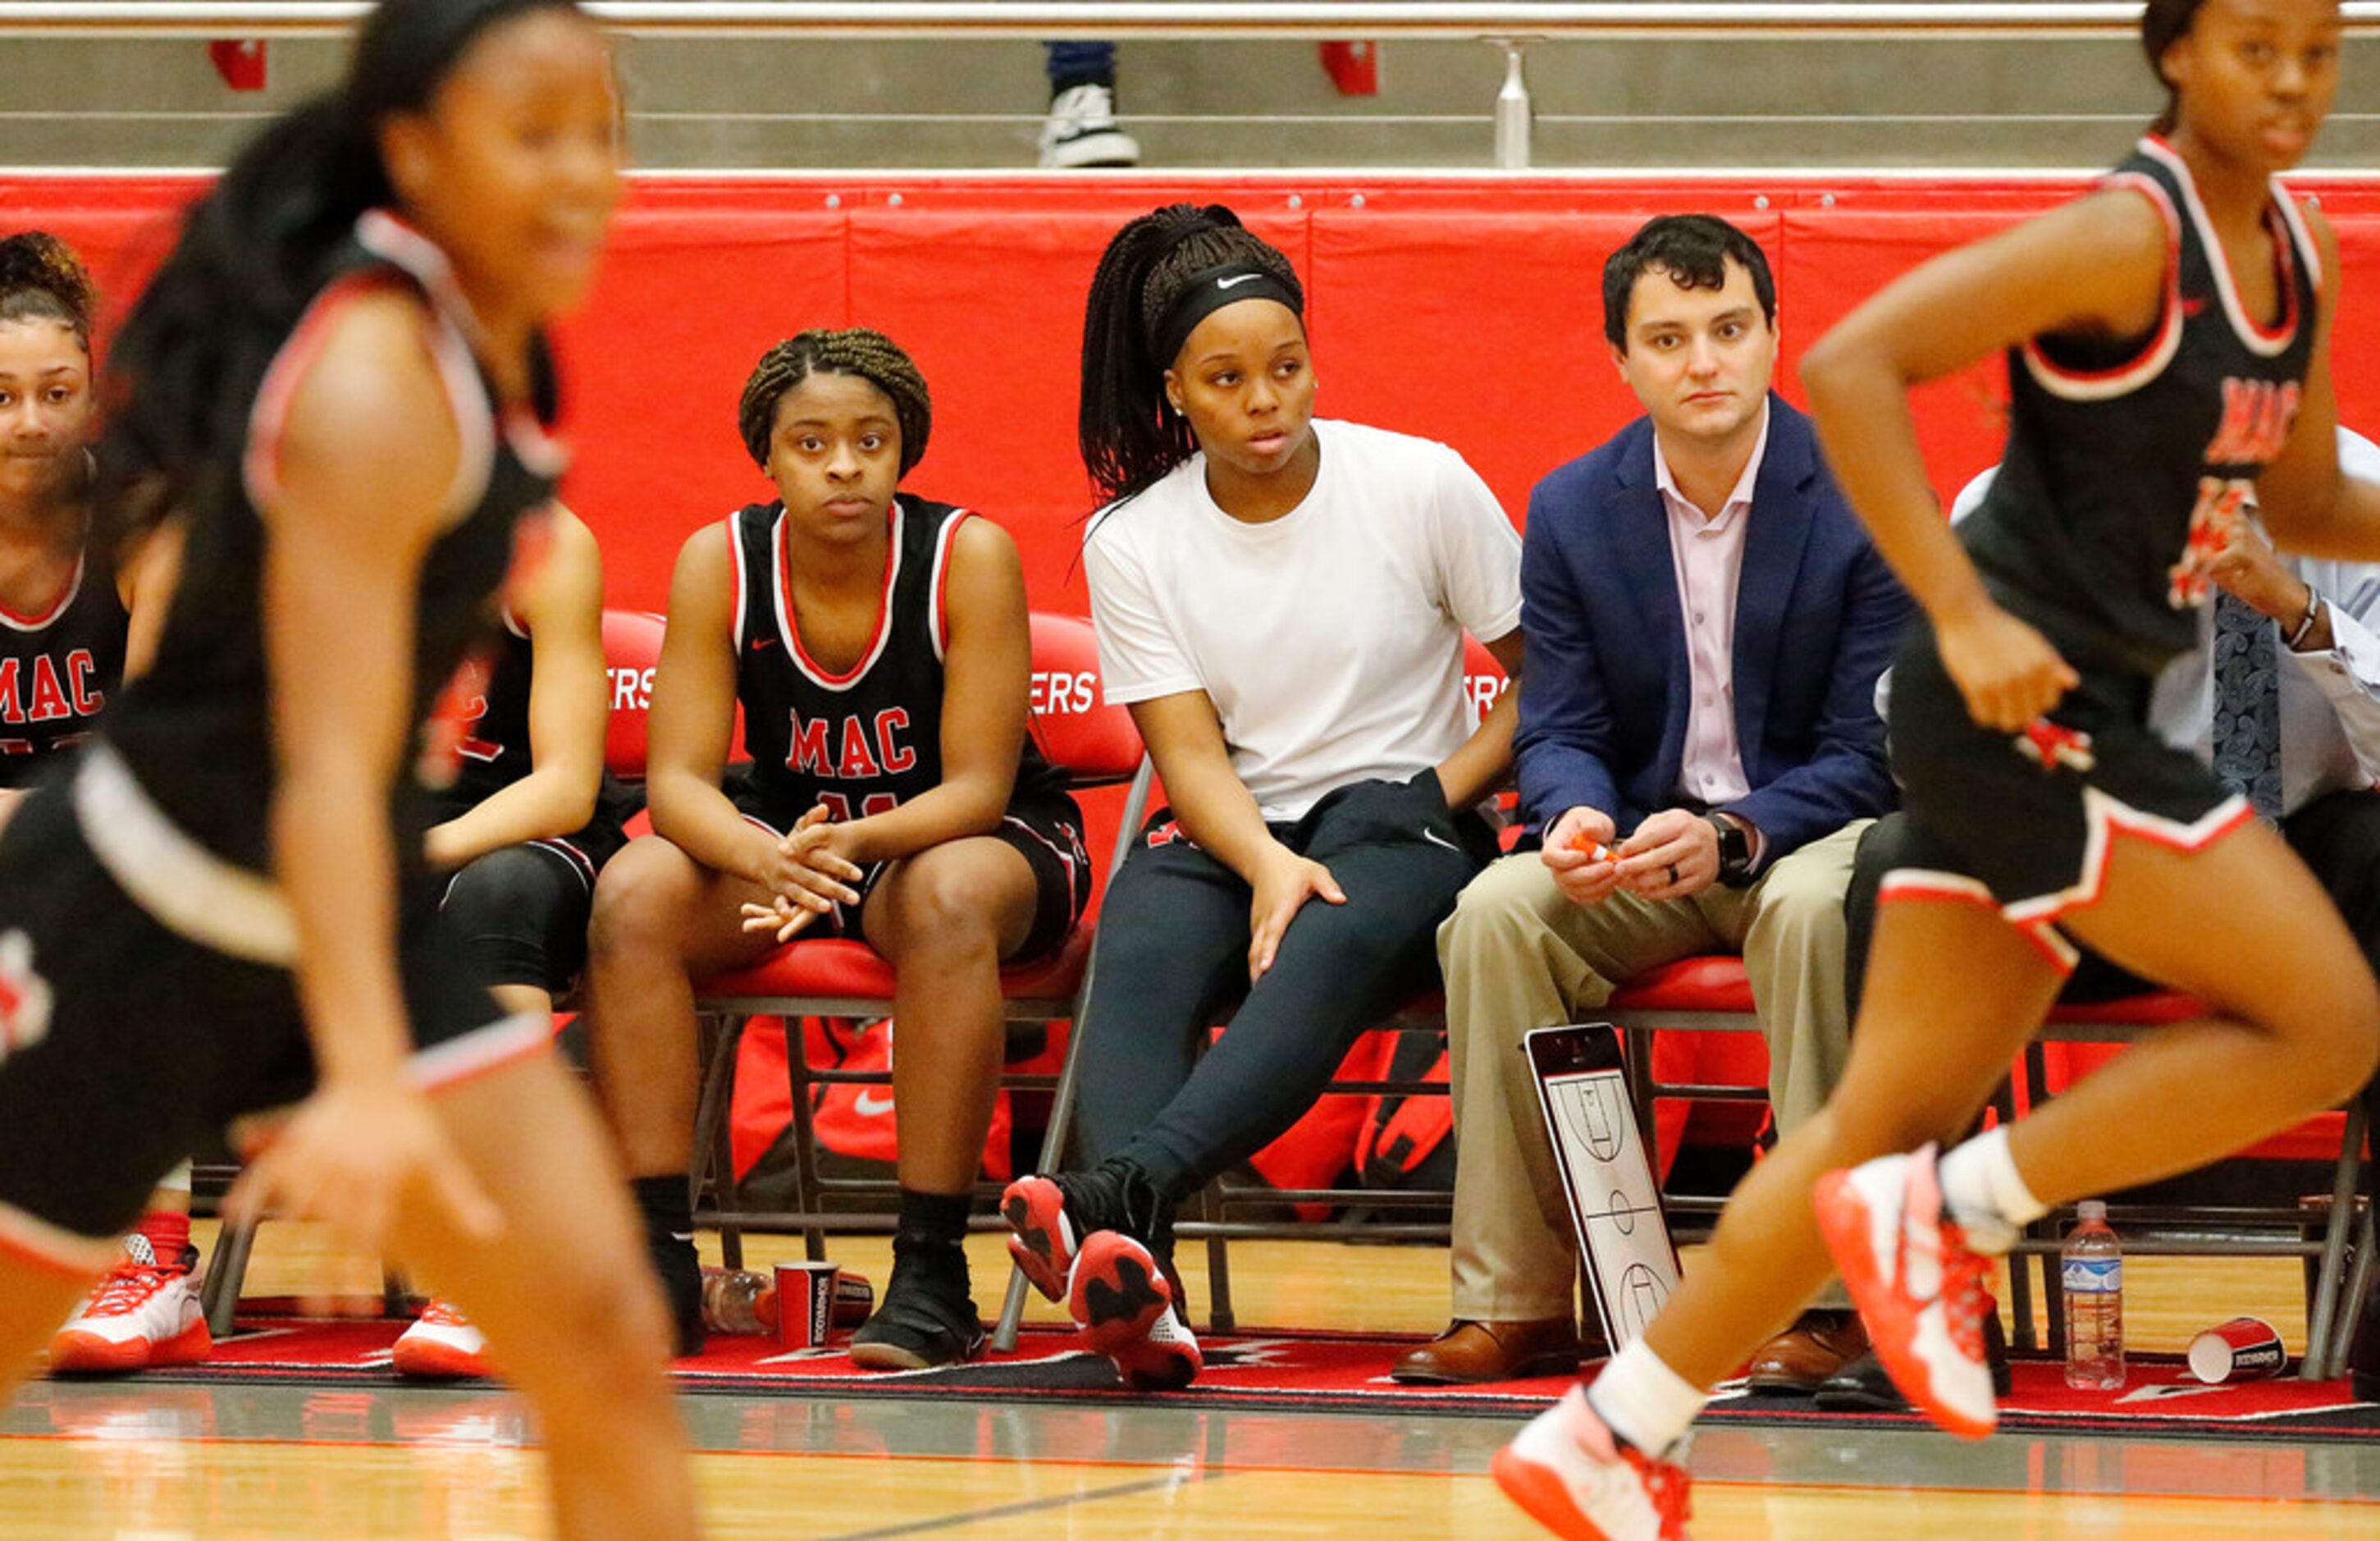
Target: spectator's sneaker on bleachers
{"type": "Point", "coordinates": [1129, 1311]}
{"type": "Point", "coordinates": [145, 1314]}
{"type": "Point", "coordinates": [1052, 1215]}
{"type": "Point", "coordinates": [1081, 131]}
{"type": "Point", "coordinates": [1918, 1285]}
{"type": "Point", "coordinates": [441, 1345]}
{"type": "Point", "coordinates": [1575, 1478]}
{"type": "Point", "coordinates": [927, 1318]}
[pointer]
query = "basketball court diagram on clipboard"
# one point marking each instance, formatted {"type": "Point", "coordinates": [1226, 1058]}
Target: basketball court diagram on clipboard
{"type": "Point", "coordinates": [1614, 1202]}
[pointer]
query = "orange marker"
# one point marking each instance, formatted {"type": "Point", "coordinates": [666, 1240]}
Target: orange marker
{"type": "Point", "coordinates": [1595, 849]}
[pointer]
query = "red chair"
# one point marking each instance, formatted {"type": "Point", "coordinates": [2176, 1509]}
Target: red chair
{"type": "Point", "coordinates": [1712, 994]}
{"type": "Point", "coordinates": [632, 647]}
{"type": "Point", "coordinates": [1098, 745]}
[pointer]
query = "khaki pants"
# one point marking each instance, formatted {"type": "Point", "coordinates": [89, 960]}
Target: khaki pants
{"type": "Point", "coordinates": [1518, 955]}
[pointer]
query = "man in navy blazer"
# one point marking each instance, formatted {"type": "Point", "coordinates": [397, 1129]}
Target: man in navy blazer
{"type": "Point", "coordinates": [1705, 620]}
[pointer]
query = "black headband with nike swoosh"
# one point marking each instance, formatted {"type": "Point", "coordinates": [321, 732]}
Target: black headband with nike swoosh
{"type": "Point", "coordinates": [1208, 291]}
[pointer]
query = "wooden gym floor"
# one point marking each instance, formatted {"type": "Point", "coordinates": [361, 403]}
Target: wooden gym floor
{"type": "Point", "coordinates": [151, 1462]}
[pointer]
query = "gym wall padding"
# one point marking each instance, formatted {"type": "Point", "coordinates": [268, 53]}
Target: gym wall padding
{"type": "Point", "coordinates": [1468, 310]}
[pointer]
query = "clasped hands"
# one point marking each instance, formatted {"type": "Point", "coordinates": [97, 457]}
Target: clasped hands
{"type": "Point", "coordinates": [809, 874]}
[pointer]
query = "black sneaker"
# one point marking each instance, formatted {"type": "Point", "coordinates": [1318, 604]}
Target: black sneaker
{"type": "Point", "coordinates": [680, 1268]}
{"type": "Point", "coordinates": [1052, 1215]}
{"type": "Point", "coordinates": [1862, 1386]}
{"type": "Point", "coordinates": [927, 1318]}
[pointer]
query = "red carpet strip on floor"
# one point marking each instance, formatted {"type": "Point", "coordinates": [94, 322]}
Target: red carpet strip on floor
{"type": "Point", "coordinates": [1326, 1372]}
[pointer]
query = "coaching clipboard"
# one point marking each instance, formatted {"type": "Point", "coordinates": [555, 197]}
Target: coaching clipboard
{"type": "Point", "coordinates": [1614, 1202]}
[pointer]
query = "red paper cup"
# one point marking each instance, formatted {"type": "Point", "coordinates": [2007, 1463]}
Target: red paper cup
{"type": "Point", "coordinates": [804, 1302]}
{"type": "Point", "coordinates": [2242, 1349]}
{"type": "Point", "coordinates": [854, 1299]}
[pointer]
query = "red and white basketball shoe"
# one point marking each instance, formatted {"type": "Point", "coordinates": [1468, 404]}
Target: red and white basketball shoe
{"type": "Point", "coordinates": [1918, 1285]}
{"type": "Point", "coordinates": [1044, 1242]}
{"type": "Point", "coordinates": [1573, 1476]}
{"type": "Point", "coordinates": [143, 1314]}
{"type": "Point", "coordinates": [441, 1345]}
{"type": "Point", "coordinates": [1125, 1306]}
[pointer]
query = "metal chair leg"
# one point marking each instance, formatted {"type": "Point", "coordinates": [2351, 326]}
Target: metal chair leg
{"type": "Point", "coordinates": [219, 1296]}
{"type": "Point", "coordinates": [2322, 1311]}
{"type": "Point", "coordinates": [1062, 1100]}
{"type": "Point", "coordinates": [1220, 1317]}
{"type": "Point", "coordinates": [2350, 1305]}
{"type": "Point", "coordinates": [711, 1116]}
{"type": "Point", "coordinates": [2020, 1267]}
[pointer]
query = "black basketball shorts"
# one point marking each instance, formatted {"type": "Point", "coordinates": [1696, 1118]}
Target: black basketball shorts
{"type": "Point", "coordinates": [2026, 821]}
{"type": "Point", "coordinates": [1046, 829]}
{"type": "Point", "coordinates": [126, 1046]}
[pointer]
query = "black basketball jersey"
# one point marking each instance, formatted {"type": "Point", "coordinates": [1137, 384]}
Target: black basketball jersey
{"type": "Point", "coordinates": [2127, 468]}
{"type": "Point", "coordinates": [867, 741]}
{"type": "Point", "coordinates": [488, 698]}
{"type": "Point", "coordinates": [57, 670]}
{"type": "Point", "coordinates": [194, 731]}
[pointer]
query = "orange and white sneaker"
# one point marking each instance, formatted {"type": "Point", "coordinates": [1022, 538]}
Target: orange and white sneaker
{"type": "Point", "coordinates": [145, 1313]}
{"type": "Point", "coordinates": [1918, 1285]}
{"type": "Point", "coordinates": [441, 1345]}
{"type": "Point", "coordinates": [1575, 1478]}
{"type": "Point", "coordinates": [1125, 1306]}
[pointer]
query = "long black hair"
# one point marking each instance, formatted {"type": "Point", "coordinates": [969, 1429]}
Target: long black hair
{"type": "Point", "coordinates": [1129, 439]}
{"type": "Point", "coordinates": [41, 279]}
{"type": "Point", "coordinates": [183, 373]}
{"type": "Point", "coordinates": [2163, 24]}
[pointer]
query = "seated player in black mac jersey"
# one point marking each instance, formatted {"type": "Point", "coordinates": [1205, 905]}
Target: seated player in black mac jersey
{"type": "Point", "coordinates": [68, 610]}
{"type": "Point", "coordinates": [525, 822]}
{"type": "Point", "coordinates": [878, 645]}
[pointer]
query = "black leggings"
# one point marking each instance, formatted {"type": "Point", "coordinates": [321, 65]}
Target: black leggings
{"type": "Point", "coordinates": [1171, 956]}
{"type": "Point", "coordinates": [520, 915]}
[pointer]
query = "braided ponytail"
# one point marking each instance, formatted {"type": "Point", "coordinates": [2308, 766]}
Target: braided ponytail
{"type": "Point", "coordinates": [1128, 439]}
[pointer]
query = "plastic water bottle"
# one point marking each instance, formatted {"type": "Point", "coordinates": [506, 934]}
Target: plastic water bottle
{"type": "Point", "coordinates": [738, 1301]}
{"type": "Point", "coordinates": [2092, 1274]}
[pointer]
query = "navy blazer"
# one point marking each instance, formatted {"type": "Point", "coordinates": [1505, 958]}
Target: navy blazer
{"type": "Point", "coordinates": [1605, 684]}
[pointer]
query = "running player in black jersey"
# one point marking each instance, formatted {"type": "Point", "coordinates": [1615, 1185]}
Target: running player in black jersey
{"type": "Point", "coordinates": [879, 648]}
{"type": "Point", "coordinates": [337, 383]}
{"type": "Point", "coordinates": [2167, 357]}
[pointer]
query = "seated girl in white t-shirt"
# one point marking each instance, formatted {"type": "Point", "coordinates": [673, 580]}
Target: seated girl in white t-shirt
{"type": "Point", "coordinates": [1281, 604]}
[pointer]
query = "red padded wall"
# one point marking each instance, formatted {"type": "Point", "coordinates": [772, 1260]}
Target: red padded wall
{"type": "Point", "coordinates": [1465, 308]}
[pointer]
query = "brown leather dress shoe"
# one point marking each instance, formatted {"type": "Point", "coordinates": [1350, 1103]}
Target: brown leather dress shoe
{"type": "Point", "coordinates": [1468, 1352]}
{"type": "Point", "coordinates": [1800, 1359]}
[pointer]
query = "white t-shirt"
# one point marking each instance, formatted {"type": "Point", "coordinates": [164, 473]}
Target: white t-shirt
{"type": "Point", "coordinates": [1329, 639]}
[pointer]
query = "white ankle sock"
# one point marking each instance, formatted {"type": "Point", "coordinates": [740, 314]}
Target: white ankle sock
{"type": "Point", "coordinates": [1986, 1193]}
{"type": "Point", "coordinates": [1644, 1400]}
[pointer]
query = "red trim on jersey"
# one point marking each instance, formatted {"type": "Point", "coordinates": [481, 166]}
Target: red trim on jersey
{"type": "Point", "coordinates": [50, 617]}
{"type": "Point", "coordinates": [260, 467]}
{"type": "Point", "coordinates": [942, 543]}
{"type": "Point", "coordinates": [2261, 339]}
{"type": "Point", "coordinates": [2161, 344]}
{"type": "Point", "coordinates": [737, 583]}
{"type": "Point", "coordinates": [817, 672]}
